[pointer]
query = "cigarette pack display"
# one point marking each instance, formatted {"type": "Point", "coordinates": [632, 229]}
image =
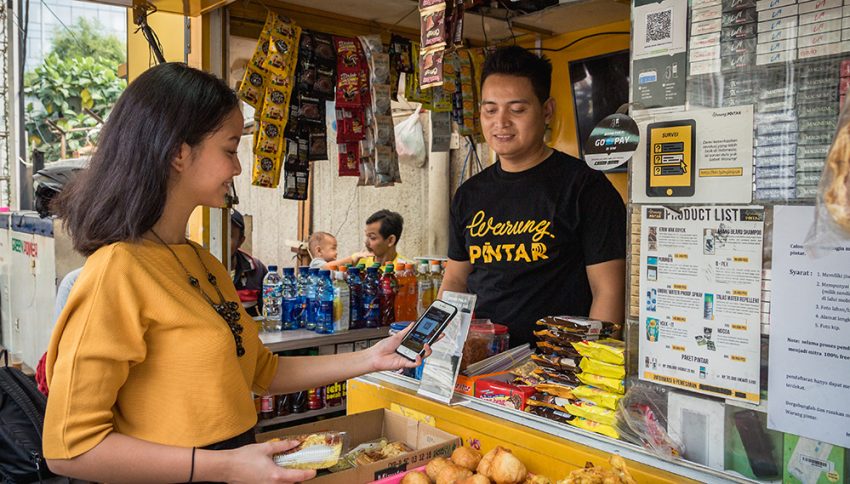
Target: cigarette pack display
{"type": "Point", "coordinates": [708, 53]}
{"type": "Point", "coordinates": [704, 3]}
{"type": "Point", "coordinates": [820, 16]}
{"type": "Point", "coordinates": [707, 40]}
{"type": "Point", "coordinates": [766, 121]}
{"type": "Point", "coordinates": [745, 31]}
{"type": "Point", "coordinates": [774, 105]}
{"type": "Point", "coordinates": [770, 151]}
{"type": "Point", "coordinates": [820, 27]}
{"type": "Point", "coordinates": [820, 96]}
{"type": "Point", "coordinates": [818, 69]}
{"type": "Point", "coordinates": [706, 13]}
{"type": "Point", "coordinates": [776, 57]}
{"type": "Point", "coordinates": [778, 24]}
{"type": "Point", "coordinates": [813, 151]}
{"type": "Point", "coordinates": [737, 46]}
{"type": "Point", "coordinates": [816, 138]}
{"type": "Point", "coordinates": [777, 35]}
{"type": "Point", "coordinates": [819, 124]}
{"type": "Point", "coordinates": [737, 61]}
{"type": "Point", "coordinates": [778, 46]}
{"type": "Point", "coordinates": [775, 193]}
{"type": "Point", "coordinates": [806, 191]}
{"type": "Point", "coordinates": [810, 164]}
{"type": "Point", "coordinates": [777, 13]}
{"type": "Point", "coordinates": [704, 67]}
{"type": "Point", "coordinates": [706, 27]}
{"type": "Point", "coordinates": [786, 161]}
{"type": "Point", "coordinates": [763, 183]}
{"type": "Point", "coordinates": [769, 4]}
{"type": "Point", "coordinates": [776, 172]}
{"type": "Point", "coordinates": [819, 5]}
{"type": "Point", "coordinates": [740, 17]}
{"type": "Point", "coordinates": [730, 101]}
{"type": "Point", "coordinates": [776, 139]}
{"type": "Point", "coordinates": [820, 39]}
{"type": "Point", "coordinates": [808, 177]}
{"type": "Point", "coordinates": [734, 5]}
{"type": "Point", "coordinates": [822, 50]}
{"type": "Point", "coordinates": [779, 92]}
{"type": "Point", "coordinates": [819, 83]}
{"type": "Point", "coordinates": [739, 87]}
{"type": "Point", "coordinates": [768, 128]}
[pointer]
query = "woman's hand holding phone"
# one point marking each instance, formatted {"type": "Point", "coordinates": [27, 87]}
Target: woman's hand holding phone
{"type": "Point", "coordinates": [383, 356]}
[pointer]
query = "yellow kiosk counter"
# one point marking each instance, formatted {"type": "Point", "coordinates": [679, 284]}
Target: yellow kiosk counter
{"type": "Point", "coordinates": [546, 447]}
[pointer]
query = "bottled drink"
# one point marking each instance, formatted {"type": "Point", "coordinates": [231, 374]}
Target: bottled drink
{"type": "Point", "coordinates": [267, 406]}
{"type": "Point", "coordinates": [301, 297]}
{"type": "Point", "coordinates": [436, 279]}
{"type": "Point", "coordinates": [355, 287]}
{"type": "Point", "coordinates": [299, 402]}
{"type": "Point", "coordinates": [272, 298]}
{"type": "Point", "coordinates": [389, 289]}
{"type": "Point", "coordinates": [410, 295]}
{"type": "Point", "coordinates": [316, 398]}
{"type": "Point", "coordinates": [325, 303]}
{"type": "Point", "coordinates": [289, 313]}
{"type": "Point", "coordinates": [342, 303]}
{"type": "Point", "coordinates": [424, 286]}
{"type": "Point", "coordinates": [371, 299]}
{"type": "Point", "coordinates": [401, 298]}
{"type": "Point", "coordinates": [310, 294]}
{"type": "Point", "coordinates": [282, 405]}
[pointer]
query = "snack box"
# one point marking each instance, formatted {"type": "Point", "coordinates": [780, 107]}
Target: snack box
{"type": "Point", "coordinates": [497, 390]}
{"type": "Point", "coordinates": [428, 442]}
{"type": "Point", "coordinates": [466, 384]}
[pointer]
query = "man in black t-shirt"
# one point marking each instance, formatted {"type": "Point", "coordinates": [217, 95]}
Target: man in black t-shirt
{"type": "Point", "coordinates": [538, 233]}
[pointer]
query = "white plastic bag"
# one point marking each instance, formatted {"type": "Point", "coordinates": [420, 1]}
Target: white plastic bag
{"type": "Point", "coordinates": [410, 141]}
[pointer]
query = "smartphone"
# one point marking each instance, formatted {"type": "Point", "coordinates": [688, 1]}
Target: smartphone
{"type": "Point", "coordinates": [427, 329]}
{"type": "Point", "coordinates": [670, 158]}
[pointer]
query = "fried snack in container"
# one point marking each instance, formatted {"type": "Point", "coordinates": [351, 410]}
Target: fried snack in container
{"type": "Point", "coordinates": [451, 473]}
{"type": "Point", "coordinates": [506, 468]}
{"type": "Point", "coordinates": [316, 451]}
{"type": "Point", "coordinates": [607, 350]}
{"type": "Point", "coordinates": [435, 466]}
{"type": "Point", "coordinates": [466, 457]}
{"type": "Point", "coordinates": [598, 475]}
{"type": "Point", "coordinates": [415, 477]}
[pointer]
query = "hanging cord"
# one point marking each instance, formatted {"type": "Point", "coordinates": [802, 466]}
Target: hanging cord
{"type": "Point", "coordinates": [140, 18]}
{"type": "Point", "coordinates": [597, 34]}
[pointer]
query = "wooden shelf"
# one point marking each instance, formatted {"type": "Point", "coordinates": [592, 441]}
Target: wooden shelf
{"type": "Point", "coordinates": [297, 339]}
{"type": "Point", "coordinates": [294, 417]}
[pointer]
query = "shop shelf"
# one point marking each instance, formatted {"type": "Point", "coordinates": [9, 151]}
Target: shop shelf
{"type": "Point", "coordinates": [297, 339]}
{"type": "Point", "coordinates": [294, 417]}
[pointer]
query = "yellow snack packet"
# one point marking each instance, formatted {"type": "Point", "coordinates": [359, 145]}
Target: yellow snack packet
{"type": "Point", "coordinates": [252, 89]}
{"type": "Point", "coordinates": [603, 383]}
{"type": "Point", "coordinates": [275, 105]}
{"type": "Point", "coordinates": [608, 350]}
{"type": "Point", "coordinates": [596, 427]}
{"type": "Point", "coordinates": [596, 367]}
{"type": "Point", "coordinates": [280, 59]}
{"type": "Point", "coordinates": [270, 138]}
{"type": "Point", "coordinates": [562, 391]}
{"type": "Point", "coordinates": [600, 397]}
{"type": "Point", "coordinates": [266, 169]}
{"type": "Point", "coordinates": [591, 411]}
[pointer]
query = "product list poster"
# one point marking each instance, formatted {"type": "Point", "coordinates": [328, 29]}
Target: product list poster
{"type": "Point", "coordinates": [809, 377]}
{"type": "Point", "coordinates": [700, 312]}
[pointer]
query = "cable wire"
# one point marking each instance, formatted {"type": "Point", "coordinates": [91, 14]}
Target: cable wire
{"type": "Point", "coordinates": [597, 34]}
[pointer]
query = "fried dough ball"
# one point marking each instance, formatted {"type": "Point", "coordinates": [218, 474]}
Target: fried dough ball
{"type": "Point", "coordinates": [416, 477]}
{"type": "Point", "coordinates": [451, 474]}
{"type": "Point", "coordinates": [506, 468]}
{"type": "Point", "coordinates": [475, 479]}
{"type": "Point", "coordinates": [435, 466]}
{"type": "Point", "coordinates": [466, 457]}
{"type": "Point", "coordinates": [486, 462]}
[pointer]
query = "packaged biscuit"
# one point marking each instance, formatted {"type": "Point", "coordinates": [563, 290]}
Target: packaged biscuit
{"type": "Point", "coordinates": [612, 385]}
{"type": "Point", "coordinates": [548, 401]}
{"type": "Point", "coordinates": [553, 349]}
{"type": "Point", "coordinates": [431, 69]}
{"type": "Point", "coordinates": [433, 26]}
{"type": "Point", "coordinates": [562, 338]}
{"type": "Point", "coordinates": [598, 367]}
{"type": "Point", "coordinates": [596, 427]}
{"type": "Point", "coordinates": [563, 363]}
{"type": "Point", "coordinates": [561, 391]}
{"type": "Point", "coordinates": [316, 451]}
{"type": "Point", "coordinates": [550, 413]}
{"type": "Point", "coordinates": [592, 411]}
{"type": "Point", "coordinates": [567, 378]}
{"type": "Point", "coordinates": [600, 397]}
{"type": "Point", "coordinates": [607, 350]}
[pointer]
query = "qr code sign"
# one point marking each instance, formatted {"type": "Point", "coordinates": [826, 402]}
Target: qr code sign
{"type": "Point", "coordinates": [659, 26]}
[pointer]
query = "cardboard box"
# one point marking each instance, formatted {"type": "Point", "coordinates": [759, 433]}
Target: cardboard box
{"type": "Point", "coordinates": [466, 384]}
{"type": "Point", "coordinates": [428, 442]}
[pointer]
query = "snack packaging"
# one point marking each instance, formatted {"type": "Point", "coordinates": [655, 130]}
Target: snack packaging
{"type": "Point", "coordinates": [550, 413]}
{"type": "Point", "coordinates": [548, 401]}
{"type": "Point", "coordinates": [642, 420]}
{"type": "Point", "coordinates": [591, 411]}
{"type": "Point", "coordinates": [566, 378]}
{"type": "Point", "coordinates": [433, 26]}
{"type": "Point", "coordinates": [431, 69]}
{"type": "Point", "coordinates": [597, 367]}
{"type": "Point", "coordinates": [599, 397]}
{"type": "Point", "coordinates": [557, 390]}
{"type": "Point", "coordinates": [607, 350]}
{"type": "Point", "coordinates": [596, 427]}
{"type": "Point", "coordinates": [562, 363]}
{"type": "Point", "coordinates": [316, 451]}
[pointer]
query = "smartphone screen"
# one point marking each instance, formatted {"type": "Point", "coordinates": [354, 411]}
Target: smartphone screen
{"type": "Point", "coordinates": [426, 328]}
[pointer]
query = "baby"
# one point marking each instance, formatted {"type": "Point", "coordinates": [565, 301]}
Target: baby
{"type": "Point", "coordinates": [322, 247]}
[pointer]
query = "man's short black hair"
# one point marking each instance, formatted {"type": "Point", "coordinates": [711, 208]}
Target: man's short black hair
{"type": "Point", "coordinates": [513, 60]}
{"type": "Point", "coordinates": [391, 223]}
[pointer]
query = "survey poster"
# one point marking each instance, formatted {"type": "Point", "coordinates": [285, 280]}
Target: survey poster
{"type": "Point", "coordinates": [700, 312]}
{"type": "Point", "coordinates": [809, 362]}
{"type": "Point", "coordinates": [698, 156]}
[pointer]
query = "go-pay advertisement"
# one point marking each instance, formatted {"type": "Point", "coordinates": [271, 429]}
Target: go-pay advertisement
{"type": "Point", "coordinates": [700, 286]}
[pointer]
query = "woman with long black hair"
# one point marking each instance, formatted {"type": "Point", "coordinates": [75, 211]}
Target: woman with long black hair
{"type": "Point", "coordinates": [153, 361]}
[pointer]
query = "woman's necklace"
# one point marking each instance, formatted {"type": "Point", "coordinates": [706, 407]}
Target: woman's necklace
{"type": "Point", "coordinates": [229, 311]}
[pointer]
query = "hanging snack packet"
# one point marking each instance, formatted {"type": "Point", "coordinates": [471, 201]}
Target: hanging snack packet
{"type": "Point", "coordinates": [379, 66]}
{"type": "Point", "coordinates": [600, 397]}
{"type": "Point", "coordinates": [596, 427]}
{"type": "Point", "coordinates": [270, 138]}
{"type": "Point", "coordinates": [349, 159]}
{"type": "Point", "coordinates": [381, 99]}
{"type": "Point", "coordinates": [596, 367]}
{"type": "Point", "coordinates": [281, 55]}
{"type": "Point", "coordinates": [367, 171]}
{"type": "Point", "coordinates": [603, 383]}
{"type": "Point", "coordinates": [347, 54]}
{"type": "Point", "coordinates": [423, 4]}
{"type": "Point", "coordinates": [433, 26]}
{"type": "Point", "coordinates": [258, 58]}
{"type": "Point", "coordinates": [266, 170]}
{"type": "Point", "coordinates": [431, 70]}
{"type": "Point", "coordinates": [296, 170]}
{"type": "Point", "coordinates": [324, 51]}
{"type": "Point", "coordinates": [348, 90]}
{"type": "Point", "coordinates": [275, 105]}
{"type": "Point", "coordinates": [318, 144]}
{"type": "Point", "coordinates": [383, 166]}
{"type": "Point", "coordinates": [310, 109]}
{"type": "Point", "coordinates": [324, 85]}
{"type": "Point", "coordinates": [607, 350]}
{"type": "Point", "coordinates": [252, 89]}
{"type": "Point", "coordinates": [591, 411]}
{"type": "Point", "coordinates": [456, 30]}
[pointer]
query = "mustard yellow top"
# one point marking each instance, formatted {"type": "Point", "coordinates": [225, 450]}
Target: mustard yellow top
{"type": "Point", "coordinates": [369, 261]}
{"type": "Point", "coordinates": [139, 351]}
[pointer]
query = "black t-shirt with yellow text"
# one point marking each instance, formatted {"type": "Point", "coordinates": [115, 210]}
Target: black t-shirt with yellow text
{"type": "Point", "coordinates": [529, 236]}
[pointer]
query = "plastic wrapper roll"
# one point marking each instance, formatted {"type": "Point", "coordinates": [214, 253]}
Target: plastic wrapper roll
{"type": "Point", "coordinates": [642, 421]}
{"type": "Point", "coordinates": [316, 451]}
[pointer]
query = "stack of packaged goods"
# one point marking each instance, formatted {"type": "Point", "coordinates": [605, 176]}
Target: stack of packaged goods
{"type": "Point", "coordinates": [579, 373]}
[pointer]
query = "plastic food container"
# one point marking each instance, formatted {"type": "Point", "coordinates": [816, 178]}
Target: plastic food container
{"type": "Point", "coordinates": [316, 451]}
{"type": "Point", "coordinates": [485, 339]}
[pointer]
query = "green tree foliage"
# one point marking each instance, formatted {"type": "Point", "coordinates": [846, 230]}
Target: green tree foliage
{"type": "Point", "coordinates": [79, 74]}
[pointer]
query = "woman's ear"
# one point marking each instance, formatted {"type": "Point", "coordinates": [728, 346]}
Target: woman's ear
{"type": "Point", "coordinates": [181, 161]}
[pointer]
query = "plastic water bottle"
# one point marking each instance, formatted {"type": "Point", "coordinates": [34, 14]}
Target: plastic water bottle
{"type": "Point", "coordinates": [272, 297]}
{"type": "Point", "coordinates": [289, 314]}
{"type": "Point", "coordinates": [301, 297]}
{"type": "Point", "coordinates": [355, 287]}
{"type": "Point", "coordinates": [389, 290]}
{"type": "Point", "coordinates": [325, 303]}
{"type": "Point", "coordinates": [310, 295]}
{"type": "Point", "coordinates": [372, 298]}
{"type": "Point", "coordinates": [342, 303]}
